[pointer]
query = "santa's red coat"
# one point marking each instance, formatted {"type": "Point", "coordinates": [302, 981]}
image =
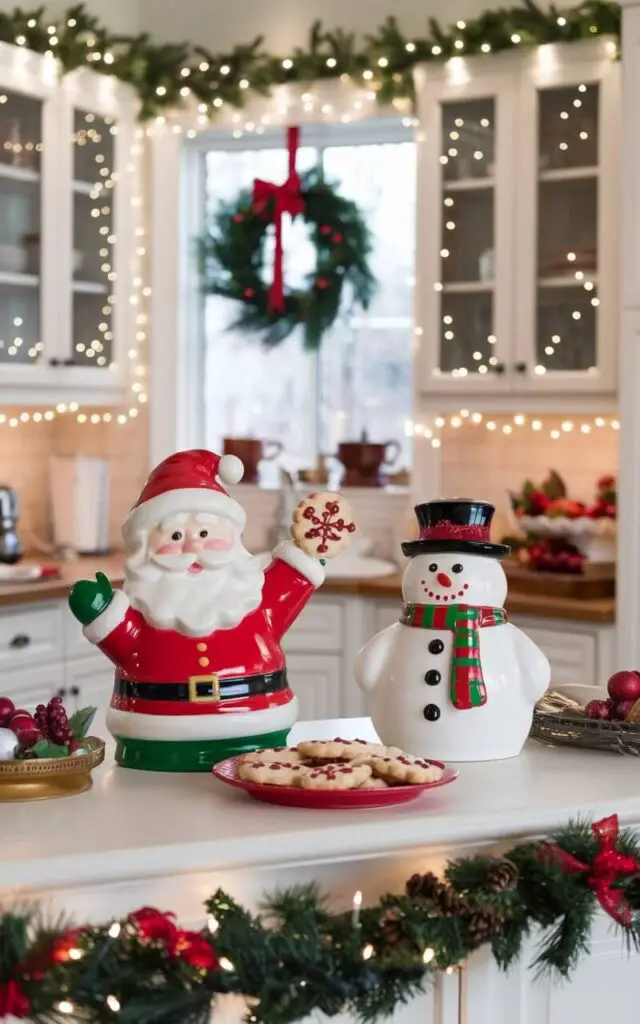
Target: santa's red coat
{"type": "Point", "coordinates": [143, 653]}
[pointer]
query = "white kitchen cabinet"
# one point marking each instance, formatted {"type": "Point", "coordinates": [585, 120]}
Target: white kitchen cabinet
{"type": "Point", "coordinates": [518, 223]}
{"type": "Point", "coordinates": [30, 686]}
{"type": "Point", "coordinates": [68, 257]}
{"type": "Point", "coordinates": [89, 683]}
{"type": "Point", "coordinates": [30, 635]}
{"type": "Point", "coordinates": [316, 679]}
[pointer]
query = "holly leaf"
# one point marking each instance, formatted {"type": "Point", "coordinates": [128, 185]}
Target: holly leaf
{"type": "Point", "coordinates": [46, 749]}
{"type": "Point", "coordinates": [80, 722]}
{"type": "Point", "coordinates": [528, 488]}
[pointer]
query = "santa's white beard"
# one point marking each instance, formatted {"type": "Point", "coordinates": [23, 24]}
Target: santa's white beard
{"type": "Point", "coordinates": [195, 604]}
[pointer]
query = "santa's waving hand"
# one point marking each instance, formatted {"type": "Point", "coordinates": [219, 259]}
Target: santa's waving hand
{"type": "Point", "coordinates": [195, 633]}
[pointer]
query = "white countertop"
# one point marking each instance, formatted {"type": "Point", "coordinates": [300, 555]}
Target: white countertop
{"type": "Point", "coordinates": [135, 825]}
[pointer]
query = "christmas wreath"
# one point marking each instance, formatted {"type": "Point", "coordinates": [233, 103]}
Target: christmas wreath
{"type": "Point", "coordinates": [232, 256]}
{"type": "Point", "coordinates": [297, 956]}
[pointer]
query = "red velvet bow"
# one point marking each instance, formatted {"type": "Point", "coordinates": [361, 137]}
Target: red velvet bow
{"type": "Point", "coordinates": [287, 199]}
{"type": "Point", "coordinates": [607, 866]}
{"type": "Point", "coordinates": [13, 1001]}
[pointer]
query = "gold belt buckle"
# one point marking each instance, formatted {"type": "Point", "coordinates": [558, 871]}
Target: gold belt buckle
{"type": "Point", "coordinates": [193, 689]}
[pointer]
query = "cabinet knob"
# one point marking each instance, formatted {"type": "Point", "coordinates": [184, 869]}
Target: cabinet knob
{"type": "Point", "coordinates": [75, 691]}
{"type": "Point", "coordinates": [20, 640]}
{"type": "Point", "coordinates": [54, 362]}
{"type": "Point", "coordinates": [520, 367]}
{"type": "Point", "coordinates": [62, 692]}
{"type": "Point", "coordinates": [499, 368]}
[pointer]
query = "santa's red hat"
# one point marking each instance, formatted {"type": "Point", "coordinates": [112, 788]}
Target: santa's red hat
{"type": "Point", "coordinates": [190, 481]}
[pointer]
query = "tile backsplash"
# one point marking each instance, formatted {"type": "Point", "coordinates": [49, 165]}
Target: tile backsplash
{"type": "Point", "coordinates": [24, 455]}
{"type": "Point", "coordinates": [480, 463]}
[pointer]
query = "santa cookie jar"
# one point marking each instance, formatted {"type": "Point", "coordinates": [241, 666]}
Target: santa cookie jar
{"type": "Point", "coordinates": [453, 680]}
{"type": "Point", "coordinates": [195, 633]}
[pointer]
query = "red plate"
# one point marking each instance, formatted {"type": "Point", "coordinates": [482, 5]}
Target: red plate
{"type": "Point", "coordinates": [291, 796]}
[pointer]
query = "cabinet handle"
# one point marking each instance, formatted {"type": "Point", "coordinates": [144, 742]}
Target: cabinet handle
{"type": "Point", "coordinates": [62, 692]}
{"type": "Point", "coordinates": [54, 362]}
{"type": "Point", "coordinates": [69, 362]}
{"type": "Point", "coordinates": [520, 367]}
{"type": "Point", "coordinates": [499, 368]}
{"type": "Point", "coordinates": [75, 691]}
{"type": "Point", "coordinates": [20, 640]}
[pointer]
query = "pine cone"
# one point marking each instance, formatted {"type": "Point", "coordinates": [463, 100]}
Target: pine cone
{"type": "Point", "coordinates": [391, 927]}
{"type": "Point", "coordinates": [443, 897]}
{"type": "Point", "coordinates": [502, 876]}
{"type": "Point", "coordinates": [423, 886]}
{"type": "Point", "coordinates": [482, 925]}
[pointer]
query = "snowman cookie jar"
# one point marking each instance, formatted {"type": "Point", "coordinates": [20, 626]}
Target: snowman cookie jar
{"type": "Point", "coordinates": [453, 679]}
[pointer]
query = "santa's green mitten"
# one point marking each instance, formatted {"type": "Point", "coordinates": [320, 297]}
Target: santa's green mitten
{"type": "Point", "coordinates": [89, 598]}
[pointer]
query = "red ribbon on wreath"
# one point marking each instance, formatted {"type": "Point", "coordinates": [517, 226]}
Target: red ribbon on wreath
{"type": "Point", "coordinates": [607, 867]}
{"type": "Point", "coordinates": [13, 1001]}
{"type": "Point", "coordinates": [287, 198]}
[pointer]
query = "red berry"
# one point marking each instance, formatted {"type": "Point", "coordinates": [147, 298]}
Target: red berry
{"type": "Point", "coordinates": [598, 709]}
{"type": "Point", "coordinates": [7, 707]}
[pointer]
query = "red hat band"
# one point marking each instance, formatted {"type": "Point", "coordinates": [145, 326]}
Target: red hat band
{"type": "Point", "coordinates": [446, 530]}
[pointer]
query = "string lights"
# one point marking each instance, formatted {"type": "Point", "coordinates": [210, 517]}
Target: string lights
{"type": "Point", "coordinates": [510, 426]}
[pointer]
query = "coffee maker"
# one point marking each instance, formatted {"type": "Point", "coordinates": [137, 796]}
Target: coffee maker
{"type": "Point", "coordinates": [10, 549]}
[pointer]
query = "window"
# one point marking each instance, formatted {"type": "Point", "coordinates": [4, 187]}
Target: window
{"type": "Point", "coordinates": [361, 381]}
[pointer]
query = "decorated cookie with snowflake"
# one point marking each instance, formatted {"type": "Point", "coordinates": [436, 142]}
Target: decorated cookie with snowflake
{"type": "Point", "coordinates": [323, 524]}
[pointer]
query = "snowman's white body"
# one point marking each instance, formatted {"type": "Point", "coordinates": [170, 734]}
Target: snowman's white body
{"type": "Point", "coordinates": [392, 668]}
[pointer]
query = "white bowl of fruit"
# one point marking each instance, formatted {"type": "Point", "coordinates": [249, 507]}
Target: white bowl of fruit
{"type": "Point", "coordinates": [47, 753]}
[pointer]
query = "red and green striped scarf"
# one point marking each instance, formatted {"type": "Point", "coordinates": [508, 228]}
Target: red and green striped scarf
{"type": "Point", "coordinates": [466, 685]}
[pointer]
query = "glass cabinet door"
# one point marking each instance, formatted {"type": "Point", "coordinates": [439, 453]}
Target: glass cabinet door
{"type": "Point", "coordinates": [467, 239]}
{"type": "Point", "coordinates": [93, 255]}
{"type": "Point", "coordinates": [567, 229]}
{"type": "Point", "coordinates": [21, 166]}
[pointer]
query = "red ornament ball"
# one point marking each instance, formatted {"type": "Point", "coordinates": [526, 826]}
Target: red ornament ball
{"type": "Point", "coordinates": [325, 229]}
{"type": "Point", "coordinates": [7, 708]}
{"type": "Point", "coordinates": [248, 293]}
{"type": "Point", "coordinates": [337, 238]}
{"type": "Point", "coordinates": [624, 685]}
{"type": "Point", "coordinates": [598, 709]}
{"type": "Point", "coordinates": [238, 218]}
{"type": "Point", "coordinates": [321, 283]}
{"type": "Point", "coordinates": [27, 736]}
{"type": "Point", "coordinates": [622, 710]}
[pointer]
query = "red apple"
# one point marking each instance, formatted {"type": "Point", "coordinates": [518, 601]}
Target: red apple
{"type": "Point", "coordinates": [28, 736]}
{"type": "Point", "coordinates": [7, 707]}
{"type": "Point", "coordinates": [624, 685]}
{"type": "Point", "coordinates": [598, 709]}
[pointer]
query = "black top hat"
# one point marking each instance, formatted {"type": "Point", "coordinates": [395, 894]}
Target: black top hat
{"type": "Point", "coordinates": [460, 524]}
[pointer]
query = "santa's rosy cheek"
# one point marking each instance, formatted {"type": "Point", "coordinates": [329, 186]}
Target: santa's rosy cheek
{"type": "Point", "coordinates": [173, 547]}
{"type": "Point", "coordinates": [218, 543]}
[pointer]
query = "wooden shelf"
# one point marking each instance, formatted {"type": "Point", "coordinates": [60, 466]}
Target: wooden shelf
{"type": "Point", "coordinates": [89, 288]}
{"type": "Point", "coordinates": [19, 280]}
{"type": "Point", "coordinates": [468, 287]}
{"type": "Point", "coordinates": [567, 280]}
{"type": "Point", "coordinates": [12, 173]}
{"type": "Point", "coordinates": [569, 174]}
{"type": "Point", "coordinates": [468, 184]}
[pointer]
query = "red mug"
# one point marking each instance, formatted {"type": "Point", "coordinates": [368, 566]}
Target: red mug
{"type": "Point", "coordinates": [251, 452]}
{"type": "Point", "coordinates": [365, 461]}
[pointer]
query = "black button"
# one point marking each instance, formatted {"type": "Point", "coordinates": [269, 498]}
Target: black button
{"type": "Point", "coordinates": [432, 677]}
{"type": "Point", "coordinates": [431, 712]}
{"type": "Point", "coordinates": [436, 647]}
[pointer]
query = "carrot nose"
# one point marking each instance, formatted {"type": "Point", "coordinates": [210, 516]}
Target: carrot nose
{"type": "Point", "coordinates": [444, 580]}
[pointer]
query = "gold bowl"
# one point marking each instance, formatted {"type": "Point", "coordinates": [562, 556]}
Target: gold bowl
{"type": "Point", "coordinates": [46, 778]}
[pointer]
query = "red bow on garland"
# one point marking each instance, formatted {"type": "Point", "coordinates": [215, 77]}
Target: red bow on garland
{"type": "Point", "coordinates": [192, 947]}
{"type": "Point", "coordinates": [287, 199]}
{"type": "Point", "coordinates": [607, 867]}
{"type": "Point", "coordinates": [13, 1001]}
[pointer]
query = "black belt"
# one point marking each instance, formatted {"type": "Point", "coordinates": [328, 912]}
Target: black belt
{"type": "Point", "coordinates": [205, 687]}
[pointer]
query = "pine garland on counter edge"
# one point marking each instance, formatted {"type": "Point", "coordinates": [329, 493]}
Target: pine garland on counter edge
{"type": "Point", "coordinates": [164, 75]}
{"type": "Point", "coordinates": [297, 955]}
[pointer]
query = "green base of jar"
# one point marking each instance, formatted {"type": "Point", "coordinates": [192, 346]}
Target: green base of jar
{"type": "Point", "coordinates": [190, 755]}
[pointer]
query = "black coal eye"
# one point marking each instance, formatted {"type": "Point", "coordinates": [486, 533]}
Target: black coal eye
{"type": "Point", "coordinates": [456, 568]}
{"type": "Point", "coordinates": [176, 535]}
{"type": "Point", "coordinates": [204, 533]}
{"type": "Point", "coordinates": [433, 567]}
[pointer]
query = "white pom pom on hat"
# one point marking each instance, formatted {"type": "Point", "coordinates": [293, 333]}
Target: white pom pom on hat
{"type": "Point", "coordinates": [189, 481]}
{"type": "Point", "coordinates": [230, 469]}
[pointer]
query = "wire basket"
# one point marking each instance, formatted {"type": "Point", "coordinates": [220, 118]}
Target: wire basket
{"type": "Point", "coordinates": [574, 730]}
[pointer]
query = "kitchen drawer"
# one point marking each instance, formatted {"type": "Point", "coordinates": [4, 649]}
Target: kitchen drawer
{"type": "Point", "coordinates": [319, 628]}
{"type": "Point", "coordinates": [30, 686]}
{"type": "Point", "coordinates": [31, 635]}
{"type": "Point", "coordinates": [386, 614]}
{"type": "Point", "coordinates": [75, 643]}
{"type": "Point", "coordinates": [573, 656]}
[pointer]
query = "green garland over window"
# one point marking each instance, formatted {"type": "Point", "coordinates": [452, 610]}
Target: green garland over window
{"type": "Point", "coordinates": [165, 75]}
{"type": "Point", "coordinates": [232, 263]}
{"type": "Point", "coordinates": [298, 955]}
